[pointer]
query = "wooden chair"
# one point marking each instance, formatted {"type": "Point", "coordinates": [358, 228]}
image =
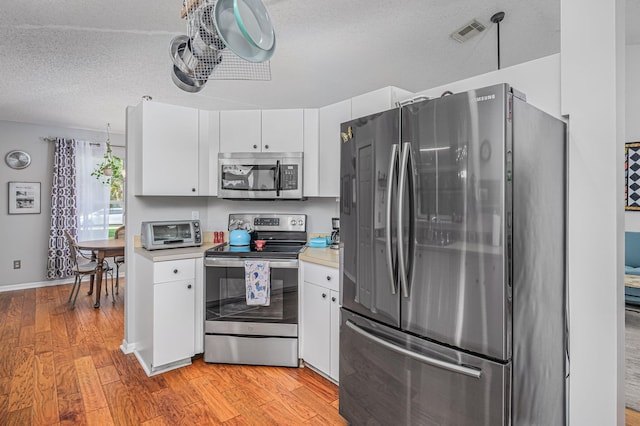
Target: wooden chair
{"type": "Point", "coordinates": [118, 260]}
{"type": "Point", "coordinates": [82, 266]}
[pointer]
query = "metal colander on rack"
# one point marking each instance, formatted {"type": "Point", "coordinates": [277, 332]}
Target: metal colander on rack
{"type": "Point", "coordinates": [226, 40]}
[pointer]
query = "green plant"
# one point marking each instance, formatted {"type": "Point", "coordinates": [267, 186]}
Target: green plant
{"type": "Point", "coordinates": [110, 169]}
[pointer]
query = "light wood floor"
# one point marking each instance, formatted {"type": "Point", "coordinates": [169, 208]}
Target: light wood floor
{"type": "Point", "coordinates": [63, 366]}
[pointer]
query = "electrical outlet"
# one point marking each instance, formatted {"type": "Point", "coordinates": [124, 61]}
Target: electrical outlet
{"type": "Point", "coordinates": [17, 264]}
{"type": "Point", "coordinates": [195, 215]}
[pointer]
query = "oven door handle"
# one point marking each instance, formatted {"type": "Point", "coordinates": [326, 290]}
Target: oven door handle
{"type": "Point", "coordinates": [239, 263]}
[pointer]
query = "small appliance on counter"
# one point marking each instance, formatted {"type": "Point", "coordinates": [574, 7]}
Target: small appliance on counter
{"type": "Point", "coordinates": [335, 235]}
{"type": "Point", "coordinates": [157, 235]}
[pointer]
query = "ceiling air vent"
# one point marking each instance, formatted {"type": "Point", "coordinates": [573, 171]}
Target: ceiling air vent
{"type": "Point", "coordinates": [467, 31]}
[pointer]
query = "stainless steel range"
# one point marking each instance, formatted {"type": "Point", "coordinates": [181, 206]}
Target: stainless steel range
{"type": "Point", "coordinates": [237, 332]}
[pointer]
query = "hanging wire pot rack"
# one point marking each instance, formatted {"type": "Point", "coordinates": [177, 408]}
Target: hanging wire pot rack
{"type": "Point", "coordinates": [217, 45]}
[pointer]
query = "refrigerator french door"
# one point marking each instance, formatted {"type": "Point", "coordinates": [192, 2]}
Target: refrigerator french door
{"type": "Point", "coordinates": [453, 215]}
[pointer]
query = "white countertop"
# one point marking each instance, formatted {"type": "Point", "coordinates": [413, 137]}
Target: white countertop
{"type": "Point", "coordinates": [174, 253]}
{"type": "Point", "coordinates": [323, 256]}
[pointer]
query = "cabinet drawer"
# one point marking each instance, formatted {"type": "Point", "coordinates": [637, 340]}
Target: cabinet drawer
{"type": "Point", "coordinates": [322, 275]}
{"type": "Point", "coordinates": [173, 270]}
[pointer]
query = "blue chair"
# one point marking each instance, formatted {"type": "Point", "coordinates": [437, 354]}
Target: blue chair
{"type": "Point", "coordinates": [632, 265]}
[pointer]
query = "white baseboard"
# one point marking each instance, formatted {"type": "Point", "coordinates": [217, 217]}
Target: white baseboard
{"type": "Point", "coordinates": [38, 284]}
{"type": "Point", "coordinates": [151, 371]}
{"type": "Point", "coordinates": [127, 347]}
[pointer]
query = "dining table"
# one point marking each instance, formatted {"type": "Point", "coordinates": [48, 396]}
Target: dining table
{"type": "Point", "coordinates": [102, 249]}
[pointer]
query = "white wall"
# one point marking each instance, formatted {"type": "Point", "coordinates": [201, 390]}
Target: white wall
{"type": "Point", "coordinates": [592, 95]}
{"type": "Point", "coordinates": [25, 237]}
{"type": "Point", "coordinates": [632, 125]}
{"type": "Point", "coordinates": [539, 80]}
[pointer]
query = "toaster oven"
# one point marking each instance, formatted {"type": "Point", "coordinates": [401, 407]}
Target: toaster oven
{"type": "Point", "coordinates": [156, 235]}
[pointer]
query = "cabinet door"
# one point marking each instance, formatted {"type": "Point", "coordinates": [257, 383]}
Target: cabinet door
{"type": "Point", "coordinates": [329, 124]}
{"type": "Point", "coordinates": [335, 335]}
{"type": "Point", "coordinates": [209, 143]}
{"type": "Point", "coordinates": [240, 131]}
{"type": "Point", "coordinates": [311, 152]}
{"type": "Point", "coordinates": [169, 155]}
{"type": "Point", "coordinates": [315, 323]}
{"type": "Point", "coordinates": [282, 130]}
{"type": "Point", "coordinates": [173, 321]}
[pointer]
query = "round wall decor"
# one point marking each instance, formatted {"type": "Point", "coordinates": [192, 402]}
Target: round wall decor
{"type": "Point", "coordinates": [17, 159]}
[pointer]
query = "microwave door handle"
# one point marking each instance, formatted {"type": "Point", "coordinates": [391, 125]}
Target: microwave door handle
{"type": "Point", "coordinates": [278, 178]}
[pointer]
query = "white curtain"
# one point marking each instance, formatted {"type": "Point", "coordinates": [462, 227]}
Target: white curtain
{"type": "Point", "coordinates": [92, 196]}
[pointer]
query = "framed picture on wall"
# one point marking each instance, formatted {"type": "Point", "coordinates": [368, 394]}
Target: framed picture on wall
{"type": "Point", "coordinates": [24, 197]}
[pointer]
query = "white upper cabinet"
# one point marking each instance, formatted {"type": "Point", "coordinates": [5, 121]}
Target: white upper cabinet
{"type": "Point", "coordinates": [209, 146]}
{"type": "Point", "coordinates": [282, 130]}
{"type": "Point", "coordinates": [311, 145]}
{"type": "Point", "coordinates": [330, 118]}
{"type": "Point", "coordinates": [377, 101]}
{"type": "Point", "coordinates": [166, 146]}
{"type": "Point", "coordinates": [241, 131]}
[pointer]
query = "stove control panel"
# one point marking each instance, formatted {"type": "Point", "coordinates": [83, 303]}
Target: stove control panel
{"type": "Point", "coordinates": [268, 222]}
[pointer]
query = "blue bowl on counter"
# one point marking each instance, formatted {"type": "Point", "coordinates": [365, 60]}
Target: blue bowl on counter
{"type": "Point", "coordinates": [320, 242]}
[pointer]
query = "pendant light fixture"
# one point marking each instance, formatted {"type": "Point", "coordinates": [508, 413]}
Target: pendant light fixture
{"type": "Point", "coordinates": [496, 19]}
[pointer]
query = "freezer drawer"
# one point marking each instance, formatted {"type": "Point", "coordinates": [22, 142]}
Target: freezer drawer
{"type": "Point", "coordinates": [389, 377]}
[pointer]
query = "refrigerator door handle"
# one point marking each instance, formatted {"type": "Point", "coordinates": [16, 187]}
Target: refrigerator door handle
{"type": "Point", "coordinates": [402, 181]}
{"type": "Point", "coordinates": [391, 175]}
{"type": "Point", "coordinates": [467, 371]}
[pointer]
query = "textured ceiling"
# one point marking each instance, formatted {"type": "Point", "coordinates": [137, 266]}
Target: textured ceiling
{"type": "Point", "coordinates": [78, 64]}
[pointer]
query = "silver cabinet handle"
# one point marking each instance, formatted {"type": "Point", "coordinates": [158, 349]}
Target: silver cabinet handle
{"type": "Point", "coordinates": [391, 174]}
{"type": "Point", "coordinates": [467, 371]}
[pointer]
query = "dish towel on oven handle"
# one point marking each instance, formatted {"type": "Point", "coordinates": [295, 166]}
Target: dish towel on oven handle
{"type": "Point", "coordinates": [258, 282]}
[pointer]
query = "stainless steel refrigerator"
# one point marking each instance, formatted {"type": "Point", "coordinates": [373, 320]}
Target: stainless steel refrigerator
{"type": "Point", "coordinates": [454, 305]}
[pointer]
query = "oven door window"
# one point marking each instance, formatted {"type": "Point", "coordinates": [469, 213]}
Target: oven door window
{"type": "Point", "coordinates": [249, 178]}
{"type": "Point", "coordinates": [226, 296]}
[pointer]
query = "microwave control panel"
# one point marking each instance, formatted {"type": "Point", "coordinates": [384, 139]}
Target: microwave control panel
{"type": "Point", "coordinates": [289, 176]}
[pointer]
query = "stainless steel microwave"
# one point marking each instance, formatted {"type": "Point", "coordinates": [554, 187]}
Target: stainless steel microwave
{"type": "Point", "coordinates": [260, 175]}
{"type": "Point", "coordinates": [158, 235]}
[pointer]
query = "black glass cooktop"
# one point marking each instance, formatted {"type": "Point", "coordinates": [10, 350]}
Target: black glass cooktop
{"type": "Point", "coordinates": [280, 250]}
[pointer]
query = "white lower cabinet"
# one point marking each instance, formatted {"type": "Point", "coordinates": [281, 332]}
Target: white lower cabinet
{"type": "Point", "coordinates": [173, 321]}
{"type": "Point", "coordinates": [320, 318]}
{"type": "Point", "coordinates": [170, 316]}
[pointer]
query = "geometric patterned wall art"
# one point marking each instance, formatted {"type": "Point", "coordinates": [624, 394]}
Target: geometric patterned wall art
{"type": "Point", "coordinates": [632, 176]}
